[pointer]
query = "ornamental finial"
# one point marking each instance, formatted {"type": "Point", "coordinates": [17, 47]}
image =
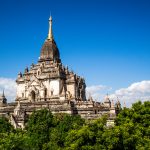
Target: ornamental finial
{"type": "Point", "coordinates": [50, 34]}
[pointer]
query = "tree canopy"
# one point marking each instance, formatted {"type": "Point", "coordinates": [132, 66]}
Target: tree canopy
{"type": "Point", "coordinates": [45, 131]}
{"type": "Point", "coordinates": [5, 126]}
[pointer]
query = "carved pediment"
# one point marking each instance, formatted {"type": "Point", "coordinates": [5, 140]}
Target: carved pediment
{"type": "Point", "coordinates": [33, 88]}
{"type": "Point", "coordinates": [34, 81]}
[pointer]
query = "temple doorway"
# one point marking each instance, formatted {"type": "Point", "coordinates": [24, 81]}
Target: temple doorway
{"type": "Point", "coordinates": [33, 96]}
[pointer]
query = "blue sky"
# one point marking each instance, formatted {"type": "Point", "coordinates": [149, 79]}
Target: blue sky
{"type": "Point", "coordinates": [106, 41]}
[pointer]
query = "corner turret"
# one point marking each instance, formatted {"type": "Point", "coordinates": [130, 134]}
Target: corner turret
{"type": "Point", "coordinates": [3, 100]}
{"type": "Point", "coordinates": [107, 101]}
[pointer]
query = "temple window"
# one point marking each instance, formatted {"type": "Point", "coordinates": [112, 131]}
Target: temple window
{"type": "Point", "coordinates": [38, 73]}
{"type": "Point", "coordinates": [95, 112]}
{"type": "Point", "coordinates": [22, 94]}
{"type": "Point", "coordinates": [45, 92]}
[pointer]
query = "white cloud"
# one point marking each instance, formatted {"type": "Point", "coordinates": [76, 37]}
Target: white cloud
{"type": "Point", "coordinates": [9, 86]}
{"type": "Point", "coordinates": [133, 93]}
{"type": "Point", "coordinates": [97, 91]}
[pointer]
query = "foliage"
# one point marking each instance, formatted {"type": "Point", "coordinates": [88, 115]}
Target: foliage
{"type": "Point", "coordinates": [14, 141]}
{"type": "Point", "coordinates": [39, 126]}
{"type": "Point", "coordinates": [46, 131]}
{"type": "Point", "coordinates": [5, 126]}
{"type": "Point", "coordinates": [65, 123]}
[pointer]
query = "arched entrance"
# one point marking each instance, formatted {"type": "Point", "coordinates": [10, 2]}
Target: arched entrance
{"type": "Point", "coordinates": [33, 96]}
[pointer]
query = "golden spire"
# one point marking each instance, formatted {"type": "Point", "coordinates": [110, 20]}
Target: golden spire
{"type": "Point", "coordinates": [50, 34]}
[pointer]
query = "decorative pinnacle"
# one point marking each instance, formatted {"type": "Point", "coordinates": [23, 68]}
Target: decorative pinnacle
{"type": "Point", "coordinates": [124, 104]}
{"type": "Point", "coordinates": [112, 104]}
{"type": "Point", "coordinates": [3, 94]}
{"type": "Point", "coordinates": [50, 34]}
{"type": "Point", "coordinates": [107, 96]}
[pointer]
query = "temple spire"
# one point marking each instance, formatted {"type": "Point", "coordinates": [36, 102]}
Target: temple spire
{"type": "Point", "coordinates": [50, 34]}
{"type": "Point", "coordinates": [3, 94]}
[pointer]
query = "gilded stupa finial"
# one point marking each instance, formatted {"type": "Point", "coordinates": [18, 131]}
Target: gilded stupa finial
{"type": "Point", "coordinates": [50, 34]}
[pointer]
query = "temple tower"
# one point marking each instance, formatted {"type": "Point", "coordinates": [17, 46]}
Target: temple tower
{"type": "Point", "coordinates": [49, 79]}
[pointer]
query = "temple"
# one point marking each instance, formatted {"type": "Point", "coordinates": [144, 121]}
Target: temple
{"type": "Point", "coordinates": [49, 84]}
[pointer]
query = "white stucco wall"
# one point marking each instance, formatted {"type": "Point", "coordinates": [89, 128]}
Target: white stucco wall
{"type": "Point", "coordinates": [55, 86]}
{"type": "Point", "coordinates": [20, 90]}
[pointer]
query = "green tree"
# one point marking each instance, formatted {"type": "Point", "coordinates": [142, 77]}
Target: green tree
{"type": "Point", "coordinates": [134, 124]}
{"type": "Point", "coordinates": [65, 123]}
{"type": "Point", "coordinates": [5, 126]}
{"type": "Point", "coordinates": [88, 137]}
{"type": "Point", "coordinates": [14, 141]}
{"type": "Point", "coordinates": [38, 128]}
